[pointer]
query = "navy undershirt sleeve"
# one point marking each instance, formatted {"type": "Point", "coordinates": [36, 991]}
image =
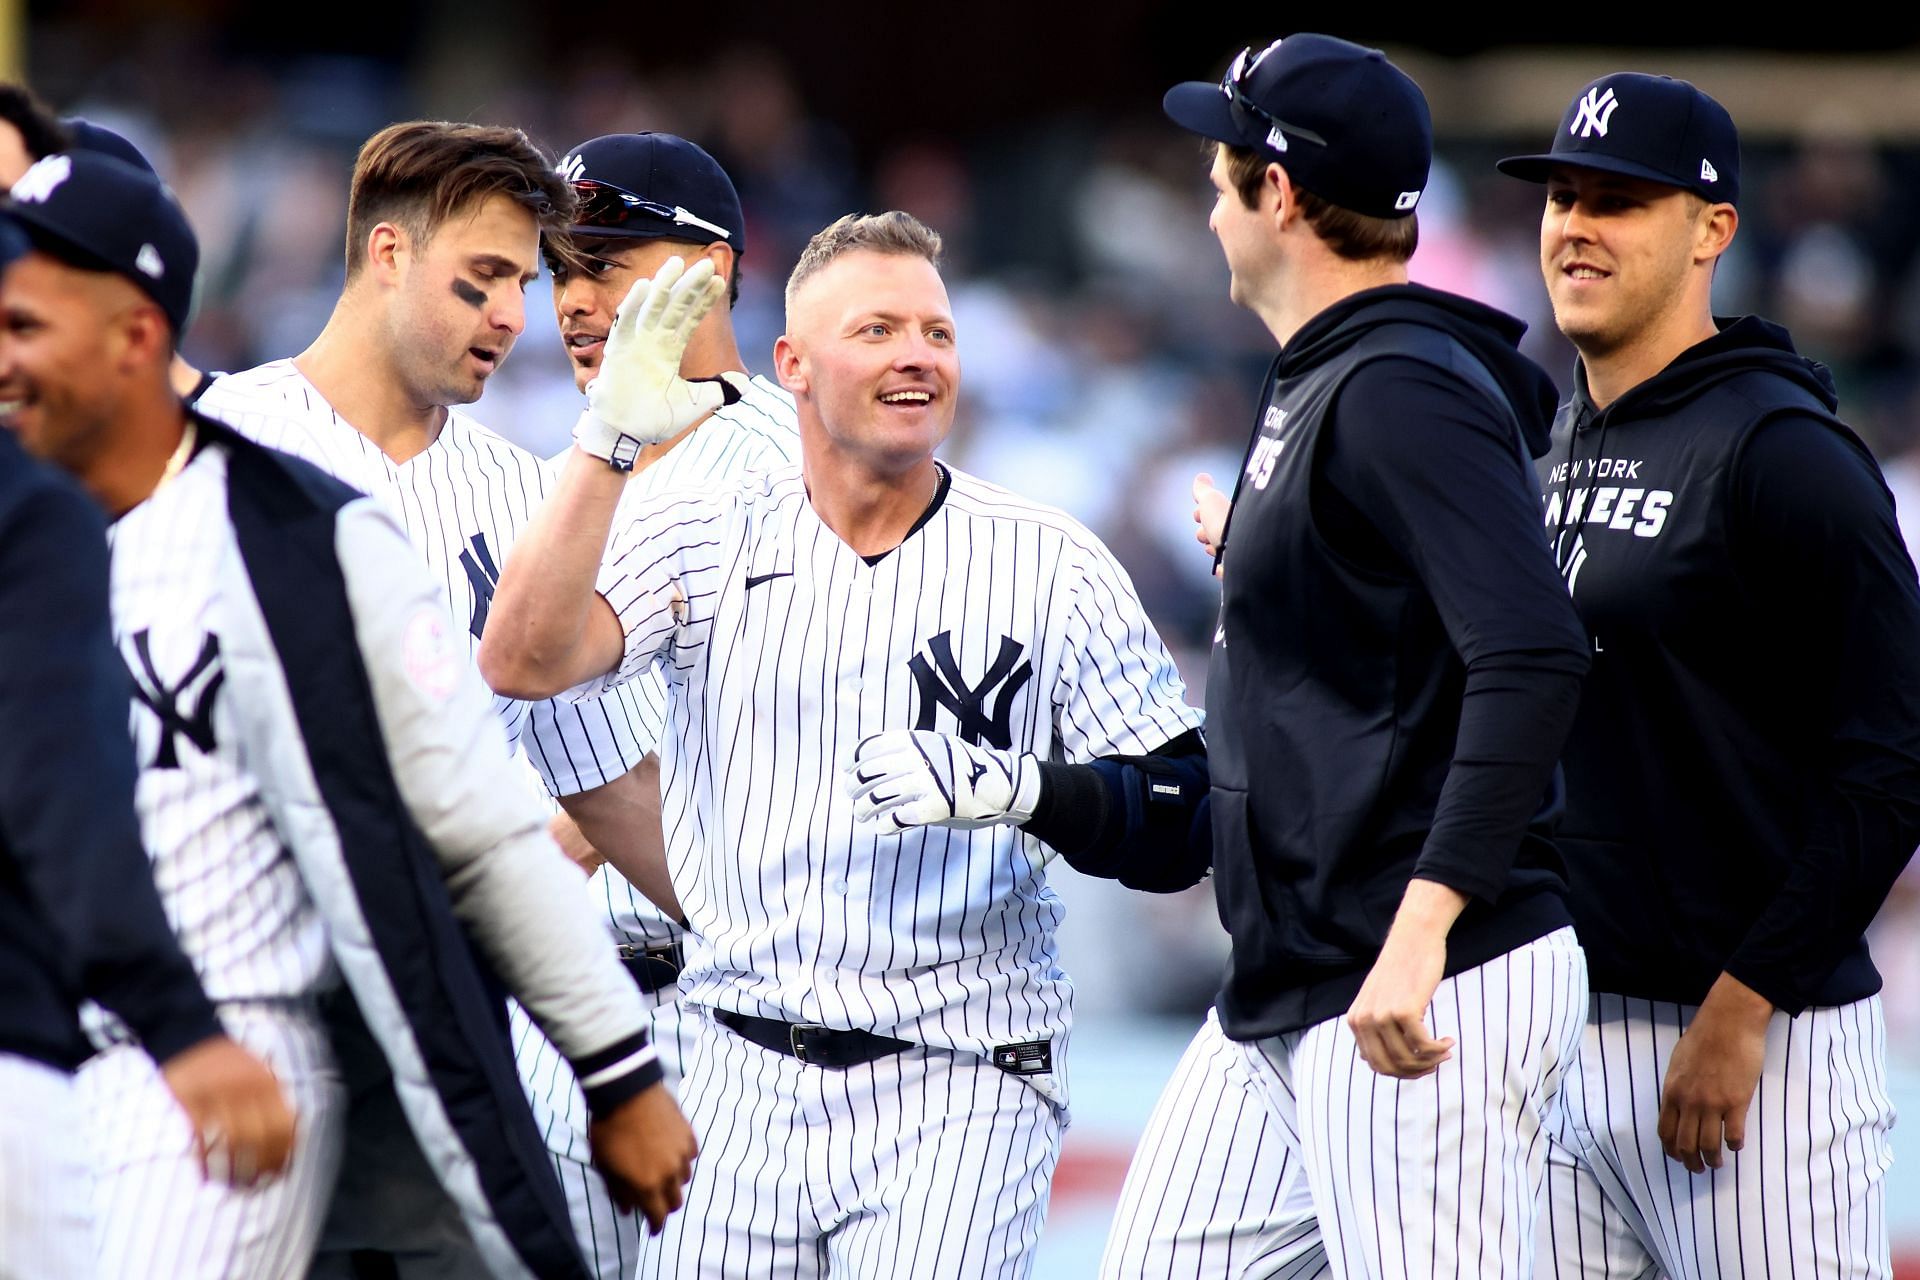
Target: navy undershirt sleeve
{"type": "Point", "coordinates": [1425, 477]}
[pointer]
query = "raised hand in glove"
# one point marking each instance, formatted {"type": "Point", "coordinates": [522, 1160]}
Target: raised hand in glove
{"type": "Point", "coordinates": [918, 778]}
{"type": "Point", "coordinates": [640, 398]}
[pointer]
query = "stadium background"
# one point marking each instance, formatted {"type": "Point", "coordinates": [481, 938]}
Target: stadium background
{"type": "Point", "coordinates": [1103, 362]}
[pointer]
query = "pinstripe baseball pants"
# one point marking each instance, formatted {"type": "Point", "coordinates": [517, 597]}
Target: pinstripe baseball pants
{"type": "Point", "coordinates": [46, 1224]}
{"type": "Point", "coordinates": [1805, 1198]}
{"type": "Point", "coordinates": [926, 1162]}
{"type": "Point", "coordinates": [155, 1212]}
{"type": "Point", "coordinates": [1439, 1176]}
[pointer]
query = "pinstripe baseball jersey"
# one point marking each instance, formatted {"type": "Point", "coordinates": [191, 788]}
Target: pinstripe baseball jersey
{"type": "Point", "coordinates": [462, 501]}
{"type": "Point", "coordinates": [757, 433]}
{"type": "Point", "coordinates": [229, 883]}
{"type": "Point", "coordinates": [997, 619]}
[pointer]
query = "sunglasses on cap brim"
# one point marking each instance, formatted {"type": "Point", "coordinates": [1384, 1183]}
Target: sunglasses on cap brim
{"type": "Point", "coordinates": [604, 206]}
{"type": "Point", "coordinates": [1249, 114]}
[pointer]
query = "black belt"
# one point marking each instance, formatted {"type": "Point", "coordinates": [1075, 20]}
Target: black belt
{"type": "Point", "coordinates": [654, 968]}
{"type": "Point", "coordinates": [815, 1045]}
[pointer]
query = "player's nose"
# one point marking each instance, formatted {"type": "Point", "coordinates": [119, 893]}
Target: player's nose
{"type": "Point", "coordinates": [511, 312]}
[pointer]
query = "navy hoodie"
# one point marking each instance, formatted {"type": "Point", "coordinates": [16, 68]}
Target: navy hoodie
{"type": "Point", "coordinates": [1397, 662]}
{"type": "Point", "coordinates": [1743, 780]}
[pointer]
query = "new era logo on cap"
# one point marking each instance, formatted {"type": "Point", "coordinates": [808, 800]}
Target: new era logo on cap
{"type": "Point", "coordinates": [1708, 173]}
{"type": "Point", "coordinates": [99, 213]}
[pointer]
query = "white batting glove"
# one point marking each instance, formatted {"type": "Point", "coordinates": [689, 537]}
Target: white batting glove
{"type": "Point", "coordinates": [918, 778]}
{"type": "Point", "coordinates": [639, 398]}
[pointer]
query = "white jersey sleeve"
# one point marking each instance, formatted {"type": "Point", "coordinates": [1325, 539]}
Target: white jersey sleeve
{"type": "Point", "coordinates": [450, 761]}
{"type": "Point", "coordinates": [1117, 691]}
{"type": "Point", "coordinates": [662, 577]}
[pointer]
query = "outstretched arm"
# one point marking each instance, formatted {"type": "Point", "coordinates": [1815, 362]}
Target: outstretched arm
{"type": "Point", "coordinates": [549, 630]}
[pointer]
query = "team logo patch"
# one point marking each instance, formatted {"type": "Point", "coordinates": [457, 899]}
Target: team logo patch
{"type": "Point", "coordinates": [431, 665]}
{"type": "Point", "coordinates": [41, 181]}
{"type": "Point", "coordinates": [1594, 114]}
{"type": "Point", "coordinates": [168, 699]}
{"type": "Point", "coordinates": [984, 710]}
{"type": "Point", "coordinates": [148, 260]}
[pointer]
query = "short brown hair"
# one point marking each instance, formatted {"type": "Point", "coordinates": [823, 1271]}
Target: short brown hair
{"type": "Point", "coordinates": [1356, 236]}
{"type": "Point", "coordinates": [419, 174]}
{"type": "Point", "coordinates": [41, 131]}
{"type": "Point", "coordinates": [892, 232]}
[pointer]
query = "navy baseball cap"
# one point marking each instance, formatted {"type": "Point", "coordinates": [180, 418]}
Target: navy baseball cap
{"type": "Point", "coordinates": [103, 214]}
{"type": "Point", "coordinates": [88, 136]}
{"type": "Point", "coordinates": [653, 186]}
{"type": "Point", "coordinates": [1652, 127]}
{"type": "Point", "coordinates": [1345, 123]}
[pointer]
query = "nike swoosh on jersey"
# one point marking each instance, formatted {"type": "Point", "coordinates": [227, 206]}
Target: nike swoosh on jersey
{"type": "Point", "coordinates": [753, 581]}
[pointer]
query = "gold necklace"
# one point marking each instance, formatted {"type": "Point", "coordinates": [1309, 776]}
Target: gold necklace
{"type": "Point", "coordinates": [181, 454]}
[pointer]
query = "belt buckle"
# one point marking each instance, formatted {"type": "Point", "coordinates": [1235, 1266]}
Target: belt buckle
{"type": "Point", "coordinates": [795, 1043]}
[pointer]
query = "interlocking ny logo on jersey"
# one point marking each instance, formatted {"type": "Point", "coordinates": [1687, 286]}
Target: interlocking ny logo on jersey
{"type": "Point", "coordinates": [478, 562]}
{"type": "Point", "coordinates": [1596, 109]}
{"type": "Point", "coordinates": [942, 685]}
{"type": "Point", "coordinates": [164, 699]}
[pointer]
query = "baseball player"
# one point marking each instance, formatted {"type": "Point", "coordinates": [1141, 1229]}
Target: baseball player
{"type": "Point", "coordinates": [874, 663]}
{"type": "Point", "coordinates": [1393, 673]}
{"type": "Point", "coordinates": [322, 792]}
{"type": "Point", "coordinates": [1743, 780]}
{"type": "Point", "coordinates": [33, 131]}
{"type": "Point", "coordinates": [644, 198]}
{"type": "Point", "coordinates": [78, 910]}
{"type": "Point", "coordinates": [445, 221]}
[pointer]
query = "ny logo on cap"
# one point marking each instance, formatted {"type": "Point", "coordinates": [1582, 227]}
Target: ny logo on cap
{"type": "Point", "coordinates": [571, 168]}
{"type": "Point", "coordinates": [1596, 109]}
{"type": "Point", "coordinates": [41, 181]}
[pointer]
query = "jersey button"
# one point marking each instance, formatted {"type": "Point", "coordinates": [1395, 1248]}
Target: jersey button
{"type": "Point", "coordinates": [853, 684]}
{"type": "Point", "coordinates": [837, 885]}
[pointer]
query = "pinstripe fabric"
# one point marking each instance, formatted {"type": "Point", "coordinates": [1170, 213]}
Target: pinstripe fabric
{"type": "Point", "coordinates": [46, 1213]}
{"type": "Point", "coordinates": [1805, 1199]}
{"type": "Point", "coordinates": [922, 1163]}
{"type": "Point", "coordinates": [462, 501]}
{"type": "Point", "coordinates": [937, 936]}
{"type": "Point", "coordinates": [155, 1212]}
{"type": "Point", "coordinates": [1439, 1176]}
{"type": "Point", "coordinates": [1214, 1192]}
{"type": "Point", "coordinates": [752, 435]}
{"type": "Point", "coordinates": [228, 882]}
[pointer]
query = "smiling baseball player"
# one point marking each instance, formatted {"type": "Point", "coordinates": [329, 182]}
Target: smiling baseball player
{"type": "Point", "coordinates": [855, 647]}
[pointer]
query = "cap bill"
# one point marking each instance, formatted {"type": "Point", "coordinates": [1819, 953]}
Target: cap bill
{"type": "Point", "coordinates": [1201, 108]}
{"type": "Point", "coordinates": [1540, 168]}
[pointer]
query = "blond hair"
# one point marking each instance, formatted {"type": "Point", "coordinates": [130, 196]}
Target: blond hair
{"type": "Point", "coordinates": [892, 232]}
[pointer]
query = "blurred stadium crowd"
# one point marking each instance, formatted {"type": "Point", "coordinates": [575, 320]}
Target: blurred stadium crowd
{"type": "Point", "coordinates": [1104, 365]}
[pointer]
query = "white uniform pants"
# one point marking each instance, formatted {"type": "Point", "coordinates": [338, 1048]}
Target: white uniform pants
{"type": "Point", "coordinates": [1805, 1198]}
{"type": "Point", "coordinates": [156, 1213]}
{"type": "Point", "coordinates": [1439, 1176]}
{"type": "Point", "coordinates": [924, 1163]}
{"type": "Point", "coordinates": [611, 1240]}
{"type": "Point", "coordinates": [46, 1221]}
{"type": "Point", "coordinates": [1213, 1192]}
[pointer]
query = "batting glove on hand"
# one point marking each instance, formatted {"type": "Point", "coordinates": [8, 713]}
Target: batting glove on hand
{"type": "Point", "coordinates": [640, 398]}
{"type": "Point", "coordinates": [918, 778]}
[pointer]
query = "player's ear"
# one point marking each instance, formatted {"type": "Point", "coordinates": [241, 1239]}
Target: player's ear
{"type": "Point", "coordinates": [788, 365]}
{"type": "Point", "coordinates": [1714, 230]}
{"type": "Point", "coordinates": [1279, 188]}
{"type": "Point", "coordinates": [386, 246]}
